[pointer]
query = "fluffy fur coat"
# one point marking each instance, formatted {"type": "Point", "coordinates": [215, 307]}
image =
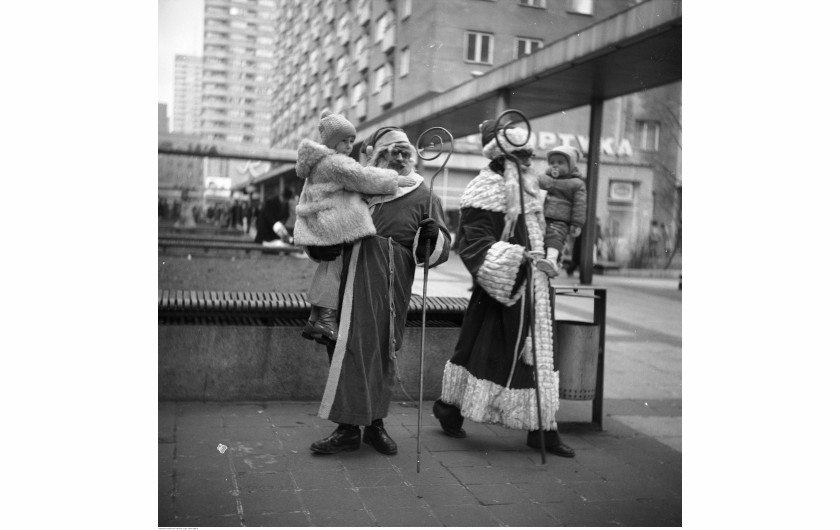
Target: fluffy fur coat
{"type": "Point", "coordinates": [332, 209]}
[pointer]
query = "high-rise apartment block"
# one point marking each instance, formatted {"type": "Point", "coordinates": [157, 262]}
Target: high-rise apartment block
{"type": "Point", "coordinates": [240, 41]}
{"type": "Point", "coordinates": [187, 94]}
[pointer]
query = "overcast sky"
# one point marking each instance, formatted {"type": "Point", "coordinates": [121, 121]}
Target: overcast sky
{"type": "Point", "coordinates": [180, 31]}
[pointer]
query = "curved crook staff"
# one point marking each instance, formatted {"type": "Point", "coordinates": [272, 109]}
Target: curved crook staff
{"type": "Point", "coordinates": [437, 139]}
{"type": "Point", "coordinates": [501, 127]}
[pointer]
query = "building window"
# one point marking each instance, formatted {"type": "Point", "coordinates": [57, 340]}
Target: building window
{"type": "Point", "coordinates": [581, 7]}
{"type": "Point", "coordinates": [405, 58]}
{"type": "Point", "coordinates": [363, 11]}
{"type": "Point", "coordinates": [532, 3]}
{"type": "Point", "coordinates": [382, 77]}
{"type": "Point", "coordinates": [358, 92]}
{"type": "Point", "coordinates": [527, 46]}
{"type": "Point", "coordinates": [406, 9]}
{"type": "Point", "coordinates": [647, 134]}
{"type": "Point", "coordinates": [383, 24]}
{"type": "Point", "coordinates": [479, 48]}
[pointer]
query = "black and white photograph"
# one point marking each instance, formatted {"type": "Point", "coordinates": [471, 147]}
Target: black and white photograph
{"type": "Point", "coordinates": [419, 263]}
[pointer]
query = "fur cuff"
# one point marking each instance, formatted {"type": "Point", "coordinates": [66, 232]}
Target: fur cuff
{"type": "Point", "coordinates": [497, 274]}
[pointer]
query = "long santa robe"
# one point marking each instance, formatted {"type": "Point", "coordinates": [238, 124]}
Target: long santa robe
{"type": "Point", "coordinates": [490, 377]}
{"type": "Point", "coordinates": [375, 293]}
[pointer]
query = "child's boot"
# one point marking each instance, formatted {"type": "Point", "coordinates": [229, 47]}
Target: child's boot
{"type": "Point", "coordinates": [309, 331]}
{"type": "Point", "coordinates": [327, 326]}
{"type": "Point", "coordinates": [549, 264]}
{"type": "Point", "coordinates": [548, 267]}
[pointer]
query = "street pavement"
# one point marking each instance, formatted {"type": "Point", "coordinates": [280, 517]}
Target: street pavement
{"type": "Point", "coordinates": [249, 464]}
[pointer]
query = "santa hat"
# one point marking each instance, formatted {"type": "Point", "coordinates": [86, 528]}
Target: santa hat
{"type": "Point", "coordinates": [382, 138]}
{"type": "Point", "coordinates": [333, 128]}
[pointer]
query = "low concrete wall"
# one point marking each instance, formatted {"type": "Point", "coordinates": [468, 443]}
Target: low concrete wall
{"type": "Point", "coordinates": [266, 363]}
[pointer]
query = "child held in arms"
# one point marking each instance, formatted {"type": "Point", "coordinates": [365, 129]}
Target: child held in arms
{"type": "Point", "coordinates": [333, 210]}
{"type": "Point", "coordinates": [565, 204]}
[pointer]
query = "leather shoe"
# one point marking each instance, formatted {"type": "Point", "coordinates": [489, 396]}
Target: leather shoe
{"type": "Point", "coordinates": [344, 438]}
{"type": "Point", "coordinates": [553, 443]}
{"type": "Point", "coordinates": [561, 450]}
{"type": "Point", "coordinates": [376, 436]}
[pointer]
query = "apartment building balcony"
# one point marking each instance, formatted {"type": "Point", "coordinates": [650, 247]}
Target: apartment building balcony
{"type": "Point", "coordinates": [343, 78]}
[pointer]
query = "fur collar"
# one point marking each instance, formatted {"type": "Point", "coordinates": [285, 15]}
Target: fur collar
{"type": "Point", "coordinates": [487, 191]}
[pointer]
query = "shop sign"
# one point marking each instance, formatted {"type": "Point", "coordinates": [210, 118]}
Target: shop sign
{"type": "Point", "coordinates": [621, 191]}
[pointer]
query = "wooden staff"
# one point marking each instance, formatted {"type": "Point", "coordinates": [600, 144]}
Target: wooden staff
{"type": "Point", "coordinates": [427, 251]}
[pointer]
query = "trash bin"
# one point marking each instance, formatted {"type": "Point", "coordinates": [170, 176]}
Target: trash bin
{"type": "Point", "coordinates": [576, 356]}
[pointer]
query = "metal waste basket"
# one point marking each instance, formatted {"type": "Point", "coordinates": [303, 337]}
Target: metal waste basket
{"type": "Point", "coordinates": [576, 357]}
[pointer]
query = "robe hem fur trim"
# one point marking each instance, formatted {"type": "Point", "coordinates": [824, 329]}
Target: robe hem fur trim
{"type": "Point", "coordinates": [484, 401]}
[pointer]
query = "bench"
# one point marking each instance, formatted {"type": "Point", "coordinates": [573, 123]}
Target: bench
{"type": "Point", "coordinates": [182, 303]}
{"type": "Point", "coordinates": [247, 346]}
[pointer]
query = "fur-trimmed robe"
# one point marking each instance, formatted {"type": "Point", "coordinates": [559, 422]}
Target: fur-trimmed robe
{"type": "Point", "coordinates": [490, 377]}
{"type": "Point", "coordinates": [331, 209]}
{"type": "Point", "coordinates": [375, 293]}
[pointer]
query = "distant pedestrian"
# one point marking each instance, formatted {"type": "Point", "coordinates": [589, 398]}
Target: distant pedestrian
{"type": "Point", "coordinates": [654, 239]}
{"type": "Point", "coordinates": [236, 215]}
{"type": "Point", "coordinates": [271, 229]}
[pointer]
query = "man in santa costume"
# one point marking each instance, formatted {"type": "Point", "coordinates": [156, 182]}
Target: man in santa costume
{"type": "Point", "coordinates": [377, 275]}
{"type": "Point", "coordinates": [490, 378]}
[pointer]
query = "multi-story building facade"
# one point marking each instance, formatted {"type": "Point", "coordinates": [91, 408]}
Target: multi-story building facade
{"type": "Point", "coordinates": [240, 41]}
{"type": "Point", "coordinates": [179, 177]}
{"type": "Point", "coordinates": [186, 100]}
{"type": "Point", "coordinates": [363, 58]}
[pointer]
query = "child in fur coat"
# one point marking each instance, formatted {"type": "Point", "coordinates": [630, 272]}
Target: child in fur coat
{"type": "Point", "coordinates": [333, 210]}
{"type": "Point", "coordinates": [565, 204]}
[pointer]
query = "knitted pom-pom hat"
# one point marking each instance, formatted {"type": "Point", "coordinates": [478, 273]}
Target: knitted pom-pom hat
{"type": "Point", "coordinates": [333, 128]}
{"type": "Point", "coordinates": [572, 155]}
